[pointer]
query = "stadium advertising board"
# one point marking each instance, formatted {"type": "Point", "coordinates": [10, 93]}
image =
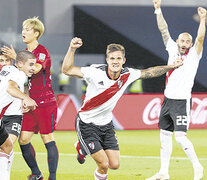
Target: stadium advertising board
{"type": "Point", "coordinates": [133, 111]}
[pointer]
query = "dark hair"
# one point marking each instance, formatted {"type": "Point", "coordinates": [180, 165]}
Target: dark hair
{"type": "Point", "coordinates": [24, 55]}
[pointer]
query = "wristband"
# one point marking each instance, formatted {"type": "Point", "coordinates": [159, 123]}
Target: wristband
{"type": "Point", "coordinates": [158, 11]}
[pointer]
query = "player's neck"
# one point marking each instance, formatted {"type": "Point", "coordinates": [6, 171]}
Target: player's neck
{"type": "Point", "coordinates": [113, 75]}
{"type": "Point", "coordinates": [31, 46]}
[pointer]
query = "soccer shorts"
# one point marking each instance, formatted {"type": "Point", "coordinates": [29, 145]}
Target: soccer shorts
{"type": "Point", "coordinates": [13, 124]}
{"type": "Point", "coordinates": [3, 133]}
{"type": "Point", "coordinates": [93, 138]}
{"type": "Point", "coordinates": [175, 115]}
{"type": "Point", "coordinates": [42, 119]}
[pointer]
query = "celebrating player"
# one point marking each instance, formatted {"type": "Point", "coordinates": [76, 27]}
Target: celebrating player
{"type": "Point", "coordinates": [43, 119]}
{"type": "Point", "coordinates": [12, 79]}
{"type": "Point", "coordinates": [106, 84]}
{"type": "Point", "coordinates": [175, 111]}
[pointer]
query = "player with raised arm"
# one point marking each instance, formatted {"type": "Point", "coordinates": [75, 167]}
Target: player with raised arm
{"type": "Point", "coordinates": [43, 119]}
{"type": "Point", "coordinates": [106, 84]}
{"type": "Point", "coordinates": [12, 79]}
{"type": "Point", "coordinates": [175, 111]}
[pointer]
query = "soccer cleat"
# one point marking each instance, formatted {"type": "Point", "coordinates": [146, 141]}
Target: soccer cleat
{"type": "Point", "coordinates": [35, 177]}
{"type": "Point", "coordinates": [159, 176]}
{"type": "Point", "coordinates": [198, 173]}
{"type": "Point", "coordinates": [80, 157]}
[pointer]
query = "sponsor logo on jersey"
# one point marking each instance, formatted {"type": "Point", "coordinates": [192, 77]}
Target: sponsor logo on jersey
{"type": "Point", "coordinates": [42, 56]}
{"type": "Point", "coordinates": [91, 145]}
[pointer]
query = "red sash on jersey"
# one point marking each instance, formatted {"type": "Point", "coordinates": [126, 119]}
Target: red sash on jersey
{"type": "Point", "coordinates": [4, 109]}
{"type": "Point", "coordinates": [106, 95]}
{"type": "Point", "coordinates": [171, 71]}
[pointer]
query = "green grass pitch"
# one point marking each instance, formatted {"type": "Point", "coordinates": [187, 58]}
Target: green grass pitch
{"type": "Point", "coordinates": [139, 157]}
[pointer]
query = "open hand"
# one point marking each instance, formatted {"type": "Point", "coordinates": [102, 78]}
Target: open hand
{"type": "Point", "coordinates": [9, 51]}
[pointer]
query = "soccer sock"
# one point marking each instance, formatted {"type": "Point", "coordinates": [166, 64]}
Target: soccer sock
{"type": "Point", "coordinates": [188, 148]}
{"type": "Point", "coordinates": [4, 165]}
{"type": "Point", "coordinates": [29, 156]}
{"type": "Point", "coordinates": [166, 150]}
{"type": "Point", "coordinates": [99, 176]}
{"type": "Point", "coordinates": [11, 157]}
{"type": "Point", "coordinates": [52, 157]}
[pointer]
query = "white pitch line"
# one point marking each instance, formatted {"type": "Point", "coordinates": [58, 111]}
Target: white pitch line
{"type": "Point", "coordinates": [122, 156]}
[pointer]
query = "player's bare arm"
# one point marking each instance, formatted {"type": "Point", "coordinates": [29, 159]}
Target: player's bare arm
{"type": "Point", "coordinates": [68, 67]}
{"type": "Point", "coordinates": [9, 51]}
{"type": "Point", "coordinates": [160, 70]}
{"type": "Point", "coordinates": [201, 30]}
{"type": "Point", "coordinates": [14, 91]}
{"type": "Point", "coordinates": [162, 25]}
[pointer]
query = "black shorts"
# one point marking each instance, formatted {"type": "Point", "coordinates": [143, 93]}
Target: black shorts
{"type": "Point", "coordinates": [93, 138]}
{"type": "Point", "coordinates": [175, 115]}
{"type": "Point", "coordinates": [3, 133]}
{"type": "Point", "coordinates": [13, 124]}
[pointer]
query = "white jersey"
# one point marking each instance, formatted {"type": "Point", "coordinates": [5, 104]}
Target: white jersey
{"type": "Point", "coordinates": [11, 73]}
{"type": "Point", "coordinates": [179, 82]}
{"type": "Point", "coordinates": [103, 93]}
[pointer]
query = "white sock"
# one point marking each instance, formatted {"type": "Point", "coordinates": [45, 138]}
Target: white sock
{"type": "Point", "coordinates": [4, 174]}
{"type": "Point", "coordinates": [166, 150]}
{"type": "Point", "coordinates": [187, 147]}
{"type": "Point", "coordinates": [11, 157]}
{"type": "Point", "coordinates": [99, 176]}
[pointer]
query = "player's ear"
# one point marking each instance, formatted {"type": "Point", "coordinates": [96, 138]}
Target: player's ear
{"type": "Point", "coordinates": [20, 64]}
{"type": "Point", "coordinates": [37, 34]}
{"type": "Point", "coordinates": [124, 60]}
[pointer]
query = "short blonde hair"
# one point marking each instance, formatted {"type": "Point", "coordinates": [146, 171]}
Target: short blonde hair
{"type": "Point", "coordinates": [115, 47]}
{"type": "Point", "coordinates": [36, 24]}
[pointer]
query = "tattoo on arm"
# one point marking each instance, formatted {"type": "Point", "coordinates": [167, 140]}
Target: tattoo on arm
{"type": "Point", "coordinates": [154, 72]}
{"type": "Point", "coordinates": [163, 27]}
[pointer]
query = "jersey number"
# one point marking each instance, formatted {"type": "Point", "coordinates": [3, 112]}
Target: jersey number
{"type": "Point", "coordinates": [16, 127]}
{"type": "Point", "coordinates": [181, 120]}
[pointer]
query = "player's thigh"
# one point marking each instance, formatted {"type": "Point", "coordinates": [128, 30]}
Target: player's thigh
{"type": "Point", "coordinates": [3, 135]}
{"type": "Point", "coordinates": [25, 137]}
{"type": "Point", "coordinates": [114, 158]}
{"type": "Point", "coordinates": [109, 140]}
{"type": "Point", "coordinates": [47, 137]}
{"type": "Point", "coordinates": [47, 119]}
{"type": "Point", "coordinates": [181, 115]}
{"type": "Point", "coordinates": [13, 125]}
{"type": "Point", "coordinates": [29, 122]}
{"type": "Point", "coordinates": [165, 120]}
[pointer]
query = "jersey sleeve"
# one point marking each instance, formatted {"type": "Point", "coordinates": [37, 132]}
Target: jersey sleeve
{"type": "Point", "coordinates": [171, 45]}
{"type": "Point", "coordinates": [194, 53]}
{"type": "Point", "coordinates": [134, 74]}
{"type": "Point", "coordinates": [18, 77]}
{"type": "Point", "coordinates": [87, 71]}
{"type": "Point", "coordinates": [43, 58]}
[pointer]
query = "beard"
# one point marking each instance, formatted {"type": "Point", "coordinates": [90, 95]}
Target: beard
{"type": "Point", "coordinates": [183, 50]}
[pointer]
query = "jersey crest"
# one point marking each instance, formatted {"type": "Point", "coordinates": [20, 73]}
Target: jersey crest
{"type": "Point", "coordinates": [42, 57]}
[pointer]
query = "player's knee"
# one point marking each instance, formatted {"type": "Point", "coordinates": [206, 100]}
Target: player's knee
{"type": "Point", "coordinates": [180, 139]}
{"type": "Point", "coordinates": [114, 165]}
{"type": "Point", "coordinates": [7, 146]}
{"type": "Point", "coordinates": [23, 141]}
{"type": "Point", "coordinates": [104, 165]}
